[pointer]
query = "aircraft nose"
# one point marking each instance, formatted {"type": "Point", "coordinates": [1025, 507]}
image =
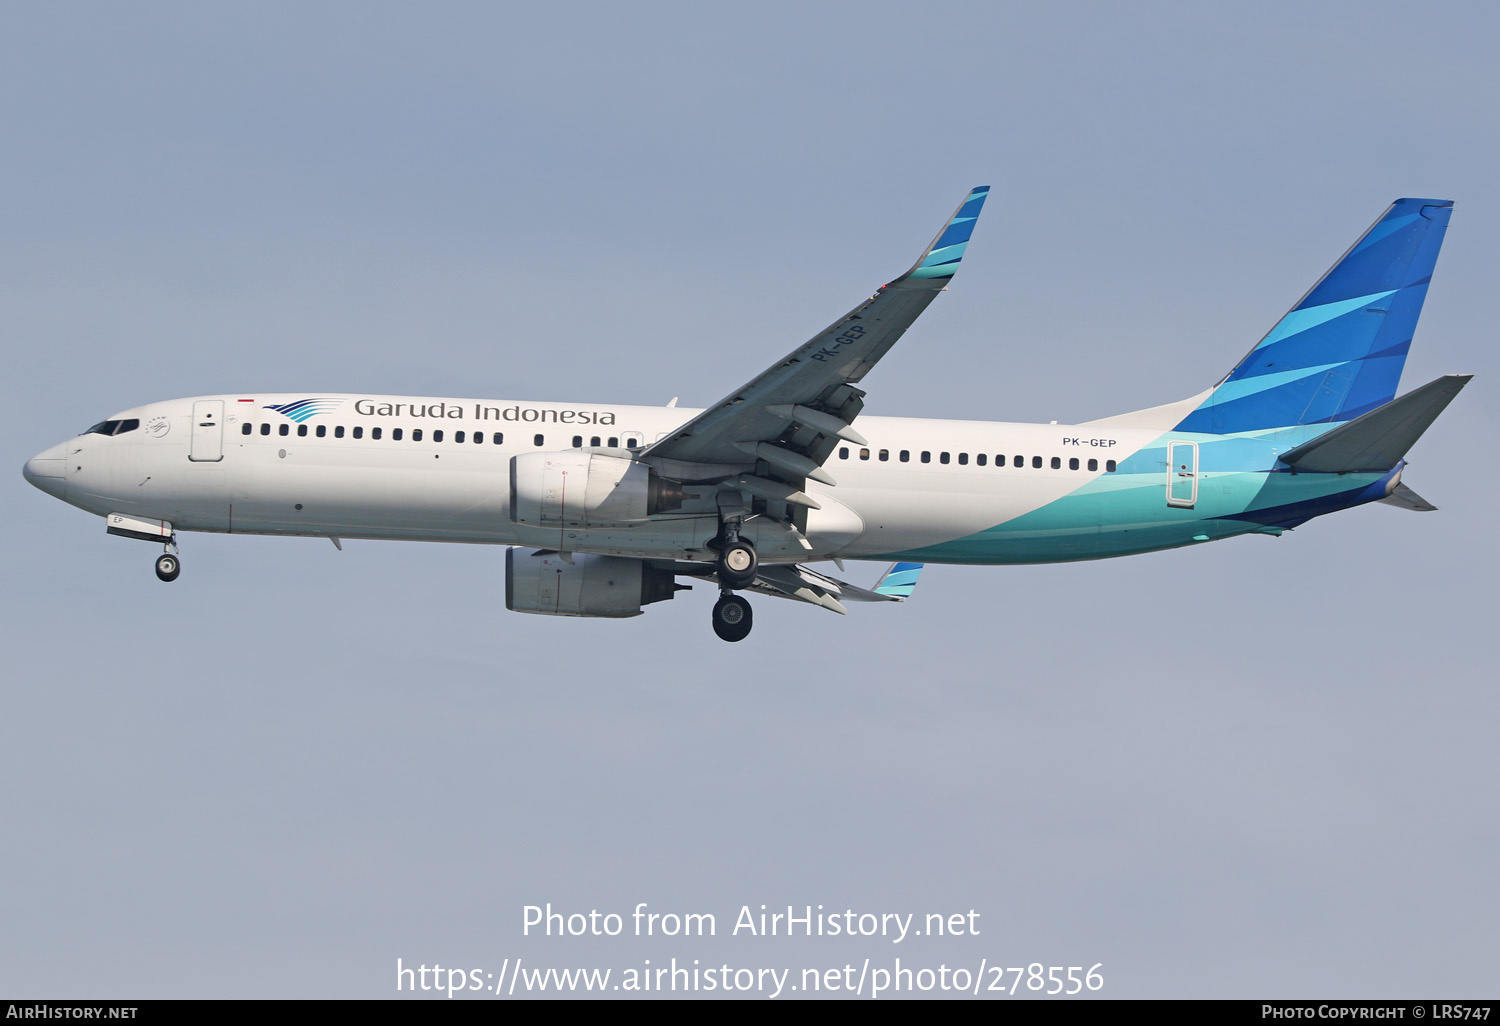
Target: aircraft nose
{"type": "Point", "coordinates": [48, 470]}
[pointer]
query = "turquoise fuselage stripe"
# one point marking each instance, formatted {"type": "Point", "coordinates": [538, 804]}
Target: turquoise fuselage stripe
{"type": "Point", "coordinates": [1126, 512]}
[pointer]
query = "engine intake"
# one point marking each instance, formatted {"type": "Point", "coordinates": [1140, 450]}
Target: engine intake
{"type": "Point", "coordinates": [610, 586]}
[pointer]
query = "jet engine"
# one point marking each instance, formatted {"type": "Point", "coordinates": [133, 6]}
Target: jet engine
{"type": "Point", "coordinates": [582, 585]}
{"type": "Point", "coordinates": [580, 488]}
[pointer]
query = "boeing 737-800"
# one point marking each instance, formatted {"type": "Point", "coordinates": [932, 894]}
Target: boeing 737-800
{"type": "Point", "coordinates": [604, 507]}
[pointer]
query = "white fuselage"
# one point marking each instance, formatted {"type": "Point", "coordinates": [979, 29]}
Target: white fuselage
{"type": "Point", "coordinates": [438, 470]}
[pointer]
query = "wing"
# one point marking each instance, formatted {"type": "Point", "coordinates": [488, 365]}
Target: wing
{"type": "Point", "coordinates": [804, 584]}
{"type": "Point", "coordinates": [787, 421]}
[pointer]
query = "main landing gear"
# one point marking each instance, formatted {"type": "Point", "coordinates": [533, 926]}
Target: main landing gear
{"type": "Point", "coordinates": [732, 617]}
{"type": "Point", "coordinates": [737, 564]}
{"type": "Point", "coordinates": [735, 568]}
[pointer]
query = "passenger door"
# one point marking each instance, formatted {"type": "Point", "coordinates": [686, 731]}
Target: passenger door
{"type": "Point", "coordinates": [207, 445]}
{"type": "Point", "coordinates": [1182, 474]}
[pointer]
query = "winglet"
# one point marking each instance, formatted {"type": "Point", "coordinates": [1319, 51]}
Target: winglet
{"type": "Point", "coordinates": [942, 257]}
{"type": "Point", "coordinates": [899, 581]}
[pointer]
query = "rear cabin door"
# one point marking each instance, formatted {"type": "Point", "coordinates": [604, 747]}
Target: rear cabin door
{"type": "Point", "coordinates": [1182, 474]}
{"type": "Point", "coordinates": [207, 445]}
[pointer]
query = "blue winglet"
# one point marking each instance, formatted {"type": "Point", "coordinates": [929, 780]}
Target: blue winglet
{"type": "Point", "coordinates": [899, 581]}
{"type": "Point", "coordinates": [941, 259]}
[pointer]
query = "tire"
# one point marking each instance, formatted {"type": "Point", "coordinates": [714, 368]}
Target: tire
{"type": "Point", "coordinates": [168, 567]}
{"type": "Point", "coordinates": [737, 565]}
{"type": "Point", "coordinates": [732, 618]}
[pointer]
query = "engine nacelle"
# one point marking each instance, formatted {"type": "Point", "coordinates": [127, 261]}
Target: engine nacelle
{"type": "Point", "coordinates": [587, 586]}
{"type": "Point", "coordinates": [579, 488]}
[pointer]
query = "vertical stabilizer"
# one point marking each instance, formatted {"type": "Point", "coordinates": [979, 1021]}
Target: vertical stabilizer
{"type": "Point", "coordinates": [1339, 352]}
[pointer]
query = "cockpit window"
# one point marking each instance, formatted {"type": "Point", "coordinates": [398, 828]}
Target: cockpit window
{"type": "Point", "coordinates": [114, 427]}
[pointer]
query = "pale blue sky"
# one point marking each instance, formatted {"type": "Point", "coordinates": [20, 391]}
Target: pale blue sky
{"type": "Point", "coordinates": [1259, 768]}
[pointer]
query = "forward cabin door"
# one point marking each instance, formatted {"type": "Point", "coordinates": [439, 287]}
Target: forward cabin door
{"type": "Point", "coordinates": [207, 445]}
{"type": "Point", "coordinates": [1182, 474]}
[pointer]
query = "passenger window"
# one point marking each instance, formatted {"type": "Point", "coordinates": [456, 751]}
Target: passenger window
{"type": "Point", "coordinates": [301, 430]}
{"type": "Point", "coordinates": [1036, 462]}
{"type": "Point", "coordinates": [1109, 465]}
{"type": "Point", "coordinates": [479, 438]}
{"type": "Point", "coordinates": [322, 430]}
{"type": "Point", "coordinates": [437, 434]}
{"type": "Point", "coordinates": [416, 434]}
{"type": "Point", "coordinates": [963, 459]}
{"type": "Point", "coordinates": [338, 432]}
{"type": "Point", "coordinates": [942, 457]}
{"type": "Point", "coordinates": [265, 429]}
{"type": "Point", "coordinates": [577, 441]}
{"type": "Point", "coordinates": [359, 432]}
{"type": "Point", "coordinates": [396, 434]}
{"type": "Point", "coordinates": [375, 434]}
{"type": "Point", "coordinates": [864, 454]}
{"type": "Point", "coordinates": [1019, 461]}
{"type": "Point", "coordinates": [1093, 464]}
{"type": "Point", "coordinates": [844, 452]}
{"type": "Point", "coordinates": [614, 442]}
{"type": "Point", "coordinates": [632, 443]}
{"type": "Point", "coordinates": [499, 438]}
{"type": "Point", "coordinates": [538, 441]}
{"type": "Point", "coordinates": [885, 455]}
{"type": "Point", "coordinates": [1073, 463]}
{"type": "Point", "coordinates": [284, 430]}
{"type": "Point", "coordinates": [594, 440]}
{"type": "Point", "coordinates": [905, 456]}
{"type": "Point", "coordinates": [979, 460]}
{"type": "Point", "coordinates": [458, 436]}
{"type": "Point", "coordinates": [246, 429]}
{"type": "Point", "coordinates": [926, 456]}
{"type": "Point", "coordinates": [1057, 463]}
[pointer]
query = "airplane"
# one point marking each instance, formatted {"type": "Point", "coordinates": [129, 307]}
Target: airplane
{"type": "Point", "coordinates": [604, 507]}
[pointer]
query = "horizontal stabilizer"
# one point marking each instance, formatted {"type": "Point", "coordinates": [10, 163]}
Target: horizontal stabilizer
{"type": "Point", "coordinates": [1408, 499]}
{"type": "Point", "coordinates": [1377, 441]}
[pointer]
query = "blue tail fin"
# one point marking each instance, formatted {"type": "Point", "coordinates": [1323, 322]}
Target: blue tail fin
{"type": "Point", "coordinates": [1338, 353]}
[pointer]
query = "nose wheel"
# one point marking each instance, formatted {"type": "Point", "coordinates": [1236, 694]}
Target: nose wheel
{"type": "Point", "coordinates": [732, 617]}
{"type": "Point", "coordinates": [168, 566]}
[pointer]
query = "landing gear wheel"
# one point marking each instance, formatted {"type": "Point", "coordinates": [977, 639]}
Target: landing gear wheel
{"type": "Point", "coordinates": [168, 566]}
{"type": "Point", "coordinates": [737, 565]}
{"type": "Point", "coordinates": [732, 618]}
